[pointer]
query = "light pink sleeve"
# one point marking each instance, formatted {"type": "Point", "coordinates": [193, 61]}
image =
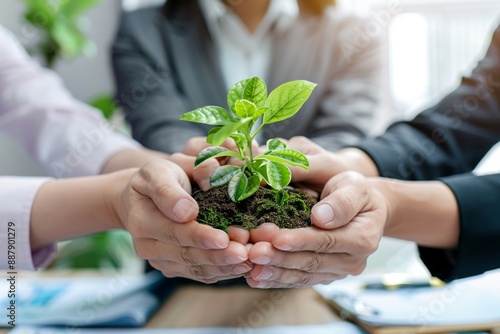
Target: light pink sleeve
{"type": "Point", "coordinates": [16, 199]}
{"type": "Point", "coordinates": [67, 137]}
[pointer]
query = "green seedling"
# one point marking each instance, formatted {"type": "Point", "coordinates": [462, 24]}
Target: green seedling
{"type": "Point", "coordinates": [249, 104]}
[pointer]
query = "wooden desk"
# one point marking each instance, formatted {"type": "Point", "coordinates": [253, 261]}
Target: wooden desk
{"type": "Point", "coordinates": [206, 306]}
{"type": "Point", "coordinates": [235, 306]}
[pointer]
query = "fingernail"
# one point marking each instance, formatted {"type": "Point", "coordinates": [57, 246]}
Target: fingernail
{"type": "Point", "coordinates": [219, 242]}
{"type": "Point", "coordinates": [324, 215]}
{"type": "Point", "coordinates": [284, 247]}
{"type": "Point", "coordinates": [183, 209]}
{"type": "Point", "coordinates": [204, 185]}
{"type": "Point", "coordinates": [265, 274]}
{"type": "Point", "coordinates": [262, 285]}
{"type": "Point", "coordinates": [233, 259]}
{"type": "Point", "coordinates": [262, 260]}
{"type": "Point", "coordinates": [241, 268]}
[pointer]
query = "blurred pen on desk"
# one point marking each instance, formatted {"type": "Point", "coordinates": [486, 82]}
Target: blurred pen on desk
{"type": "Point", "coordinates": [396, 281]}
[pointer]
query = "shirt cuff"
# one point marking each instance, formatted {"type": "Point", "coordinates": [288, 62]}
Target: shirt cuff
{"type": "Point", "coordinates": [478, 249]}
{"type": "Point", "coordinates": [16, 201]}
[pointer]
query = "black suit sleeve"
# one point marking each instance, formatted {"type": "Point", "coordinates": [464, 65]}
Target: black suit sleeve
{"type": "Point", "coordinates": [450, 139]}
{"type": "Point", "coordinates": [148, 88]}
{"type": "Point", "coordinates": [478, 250]}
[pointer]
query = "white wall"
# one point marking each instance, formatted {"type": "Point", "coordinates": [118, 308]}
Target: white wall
{"type": "Point", "coordinates": [85, 77]}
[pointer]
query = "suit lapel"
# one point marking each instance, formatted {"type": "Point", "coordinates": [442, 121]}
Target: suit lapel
{"type": "Point", "coordinates": [193, 54]}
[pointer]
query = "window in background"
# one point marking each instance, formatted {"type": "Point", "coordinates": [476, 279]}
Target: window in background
{"type": "Point", "coordinates": [431, 45]}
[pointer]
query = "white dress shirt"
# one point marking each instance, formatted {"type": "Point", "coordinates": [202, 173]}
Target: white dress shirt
{"type": "Point", "coordinates": [66, 136]}
{"type": "Point", "coordinates": [243, 54]}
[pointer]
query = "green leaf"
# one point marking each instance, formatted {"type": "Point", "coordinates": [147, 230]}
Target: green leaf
{"type": "Point", "coordinates": [223, 175]}
{"type": "Point", "coordinates": [260, 112]}
{"type": "Point", "coordinates": [213, 152]}
{"type": "Point", "coordinates": [105, 104]}
{"type": "Point", "coordinates": [240, 139]}
{"type": "Point", "coordinates": [40, 13]}
{"type": "Point", "coordinates": [211, 134]}
{"type": "Point", "coordinates": [253, 90]}
{"type": "Point", "coordinates": [275, 144]}
{"type": "Point", "coordinates": [237, 186]}
{"type": "Point", "coordinates": [244, 108]}
{"type": "Point", "coordinates": [226, 131]}
{"type": "Point", "coordinates": [286, 156]}
{"type": "Point", "coordinates": [72, 9]}
{"type": "Point", "coordinates": [69, 39]}
{"type": "Point", "coordinates": [211, 115]}
{"type": "Point", "coordinates": [253, 185]}
{"type": "Point", "coordinates": [278, 176]}
{"type": "Point", "coordinates": [286, 100]}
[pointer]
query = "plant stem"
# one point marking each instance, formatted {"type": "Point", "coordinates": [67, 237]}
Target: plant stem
{"type": "Point", "coordinates": [255, 133]}
{"type": "Point", "coordinates": [250, 152]}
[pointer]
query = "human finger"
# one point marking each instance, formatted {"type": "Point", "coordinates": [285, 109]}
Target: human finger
{"type": "Point", "coordinates": [201, 271]}
{"type": "Point", "coordinates": [361, 236]}
{"type": "Point", "coordinates": [264, 254]}
{"type": "Point", "coordinates": [273, 277]}
{"type": "Point", "coordinates": [195, 145]}
{"type": "Point", "coordinates": [264, 232]}
{"type": "Point", "coordinates": [238, 234]}
{"type": "Point", "coordinates": [151, 249]}
{"type": "Point", "coordinates": [190, 234]}
{"type": "Point", "coordinates": [343, 197]}
{"type": "Point", "coordinates": [166, 184]}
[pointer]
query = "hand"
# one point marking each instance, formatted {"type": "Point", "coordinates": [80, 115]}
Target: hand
{"type": "Point", "coordinates": [348, 224]}
{"type": "Point", "coordinates": [324, 164]}
{"type": "Point", "coordinates": [155, 207]}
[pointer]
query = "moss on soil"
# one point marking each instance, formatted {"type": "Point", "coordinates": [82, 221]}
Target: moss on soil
{"type": "Point", "coordinates": [217, 210]}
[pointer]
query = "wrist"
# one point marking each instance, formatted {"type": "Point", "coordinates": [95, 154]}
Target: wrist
{"type": "Point", "coordinates": [388, 193]}
{"type": "Point", "coordinates": [113, 189]}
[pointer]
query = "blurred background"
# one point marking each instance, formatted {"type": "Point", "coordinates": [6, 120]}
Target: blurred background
{"type": "Point", "coordinates": [431, 44]}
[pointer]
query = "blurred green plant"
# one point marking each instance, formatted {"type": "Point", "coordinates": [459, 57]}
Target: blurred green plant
{"type": "Point", "coordinates": [104, 251]}
{"type": "Point", "coordinates": [105, 104]}
{"type": "Point", "coordinates": [60, 26]}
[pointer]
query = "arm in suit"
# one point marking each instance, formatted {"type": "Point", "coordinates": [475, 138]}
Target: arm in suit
{"type": "Point", "coordinates": [450, 139]}
{"type": "Point", "coordinates": [148, 87]}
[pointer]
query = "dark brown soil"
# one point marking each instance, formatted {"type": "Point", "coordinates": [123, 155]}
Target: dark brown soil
{"type": "Point", "coordinates": [265, 206]}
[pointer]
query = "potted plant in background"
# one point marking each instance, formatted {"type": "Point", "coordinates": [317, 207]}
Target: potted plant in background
{"type": "Point", "coordinates": [245, 202]}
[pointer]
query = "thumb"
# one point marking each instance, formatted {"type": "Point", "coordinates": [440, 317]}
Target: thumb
{"type": "Point", "coordinates": [344, 197]}
{"type": "Point", "coordinates": [168, 187]}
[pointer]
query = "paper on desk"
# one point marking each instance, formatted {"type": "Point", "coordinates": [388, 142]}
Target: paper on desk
{"type": "Point", "coordinates": [76, 301]}
{"type": "Point", "coordinates": [335, 327]}
{"type": "Point", "coordinates": [473, 300]}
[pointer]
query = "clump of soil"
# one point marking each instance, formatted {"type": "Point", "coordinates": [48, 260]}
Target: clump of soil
{"type": "Point", "coordinates": [290, 210]}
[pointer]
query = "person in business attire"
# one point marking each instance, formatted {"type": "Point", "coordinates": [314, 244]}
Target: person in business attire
{"type": "Point", "coordinates": [74, 141]}
{"type": "Point", "coordinates": [200, 48]}
{"type": "Point", "coordinates": [436, 201]}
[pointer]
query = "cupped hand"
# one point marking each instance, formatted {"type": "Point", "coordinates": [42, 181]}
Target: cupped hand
{"type": "Point", "coordinates": [324, 164]}
{"type": "Point", "coordinates": [157, 210]}
{"type": "Point", "coordinates": [348, 224]}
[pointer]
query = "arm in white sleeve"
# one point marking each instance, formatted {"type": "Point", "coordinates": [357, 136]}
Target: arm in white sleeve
{"type": "Point", "coordinates": [66, 136]}
{"type": "Point", "coordinates": [17, 195]}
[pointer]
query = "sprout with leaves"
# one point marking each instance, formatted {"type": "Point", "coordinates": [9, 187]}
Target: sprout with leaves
{"type": "Point", "coordinates": [249, 104]}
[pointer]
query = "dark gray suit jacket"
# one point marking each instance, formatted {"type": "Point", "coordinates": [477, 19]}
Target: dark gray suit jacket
{"type": "Point", "coordinates": [446, 142]}
{"type": "Point", "coordinates": [165, 65]}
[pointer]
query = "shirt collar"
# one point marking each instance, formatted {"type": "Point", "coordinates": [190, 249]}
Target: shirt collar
{"type": "Point", "coordinates": [280, 13]}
